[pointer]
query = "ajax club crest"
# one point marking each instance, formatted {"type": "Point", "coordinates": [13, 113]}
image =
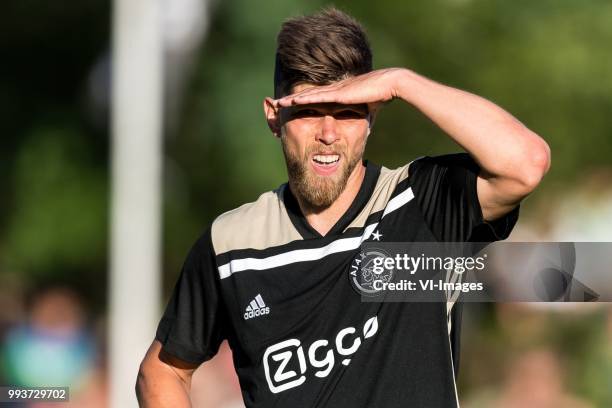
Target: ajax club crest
{"type": "Point", "coordinates": [363, 274]}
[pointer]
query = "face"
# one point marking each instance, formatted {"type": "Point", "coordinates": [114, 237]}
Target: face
{"type": "Point", "coordinates": [322, 144]}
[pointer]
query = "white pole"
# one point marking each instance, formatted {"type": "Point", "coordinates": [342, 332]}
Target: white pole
{"type": "Point", "coordinates": [136, 190]}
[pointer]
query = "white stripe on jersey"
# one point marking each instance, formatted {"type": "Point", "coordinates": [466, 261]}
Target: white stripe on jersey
{"type": "Point", "coordinates": [398, 201]}
{"type": "Point", "coordinates": [313, 254]}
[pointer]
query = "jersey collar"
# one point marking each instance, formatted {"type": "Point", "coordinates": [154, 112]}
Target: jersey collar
{"type": "Point", "coordinates": [365, 191]}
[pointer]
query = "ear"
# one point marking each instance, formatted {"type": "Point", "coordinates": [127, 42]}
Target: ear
{"type": "Point", "coordinates": [373, 112]}
{"type": "Point", "coordinates": [371, 120]}
{"type": "Point", "coordinates": [272, 116]}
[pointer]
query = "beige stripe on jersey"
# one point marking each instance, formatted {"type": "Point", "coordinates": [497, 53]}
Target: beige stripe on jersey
{"type": "Point", "coordinates": [387, 181]}
{"type": "Point", "coordinates": [261, 224]}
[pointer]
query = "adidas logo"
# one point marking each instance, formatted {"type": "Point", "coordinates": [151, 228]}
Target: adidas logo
{"type": "Point", "coordinates": [256, 308]}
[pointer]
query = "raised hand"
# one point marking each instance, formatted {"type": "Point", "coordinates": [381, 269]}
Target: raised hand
{"type": "Point", "coordinates": [373, 89]}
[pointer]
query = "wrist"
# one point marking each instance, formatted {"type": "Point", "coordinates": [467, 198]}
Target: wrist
{"type": "Point", "coordinates": [405, 82]}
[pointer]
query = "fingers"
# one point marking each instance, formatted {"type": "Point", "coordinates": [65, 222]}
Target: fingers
{"type": "Point", "coordinates": [316, 94]}
{"type": "Point", "coordinates": [309, 96]}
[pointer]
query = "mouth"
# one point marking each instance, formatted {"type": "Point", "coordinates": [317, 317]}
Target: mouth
{"type": "Point", "coordinates": [325, 164]}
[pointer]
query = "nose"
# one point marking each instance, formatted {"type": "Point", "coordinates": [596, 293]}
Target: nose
{"type": "Point", "coordinates": [328, 134]}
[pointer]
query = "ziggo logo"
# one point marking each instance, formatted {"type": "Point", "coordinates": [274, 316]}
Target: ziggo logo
{"type": "Point", "coordinates": [286, 352]}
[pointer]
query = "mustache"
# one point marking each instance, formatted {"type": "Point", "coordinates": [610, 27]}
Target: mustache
{"type": "Point", "coordinates": [315, 149]}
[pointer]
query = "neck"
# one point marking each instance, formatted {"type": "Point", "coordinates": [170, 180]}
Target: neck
{"type": "Point", "coordinates": [322, 220]}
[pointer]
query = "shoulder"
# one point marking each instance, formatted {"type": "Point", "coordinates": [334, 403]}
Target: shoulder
{"type": "Point", "coordinates": [255, 225]}
{"type": "Point", "coordinates": [390, 178]}
{"type": "Point", "coordinates": [444, 161]}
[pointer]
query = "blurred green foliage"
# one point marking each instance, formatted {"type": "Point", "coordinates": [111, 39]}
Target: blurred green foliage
{"type": "Point", "coordinates": [53, 160]}
{"type": "Point", "coordinates": [54, 182]}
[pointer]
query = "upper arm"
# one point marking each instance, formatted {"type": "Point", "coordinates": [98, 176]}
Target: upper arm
{"type": "Point", "coordinates": [194, 322]}
{"type": "Point", "coordinates": [446, 190]}
{"type": "Point", "coordinates": [189, 332]}
{"type": "Point", "coordinates": [497, 197]}
{"type": "Point", "coordinates": [158, 361]}
{"type": "Point", "coordinates": [163, 380]}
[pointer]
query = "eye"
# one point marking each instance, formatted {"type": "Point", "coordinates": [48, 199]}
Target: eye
{"type": "Point", "coordinates": [349, 114]}
{"type": "Point", "coordinates": [306, 113]}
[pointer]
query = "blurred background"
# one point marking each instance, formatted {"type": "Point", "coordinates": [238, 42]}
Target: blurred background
{"type": "Point", "coordinates": [547, 62]}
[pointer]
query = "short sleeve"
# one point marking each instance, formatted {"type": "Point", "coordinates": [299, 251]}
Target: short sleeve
{"type": "Point", "coordinates": [445, 189]}
{"type": "Point", "coordinates": [191, 327]}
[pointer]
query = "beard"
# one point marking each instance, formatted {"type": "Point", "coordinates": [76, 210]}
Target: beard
{"type": "Point", "coordinates": [319, 192]}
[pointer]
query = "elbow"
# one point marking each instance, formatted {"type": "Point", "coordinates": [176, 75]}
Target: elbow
{"type": "Point", "coordinates": [536, 165]}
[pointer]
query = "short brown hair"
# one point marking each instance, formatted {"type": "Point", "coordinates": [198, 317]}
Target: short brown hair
{"type": "Point", "coordinates": [320, 49]}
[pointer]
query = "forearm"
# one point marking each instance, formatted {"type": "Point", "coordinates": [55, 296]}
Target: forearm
{"type": "Point", "coordinates": [502, 146]}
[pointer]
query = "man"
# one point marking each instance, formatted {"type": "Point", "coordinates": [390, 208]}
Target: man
{"type": "Point", "coordinates": [272, 276]}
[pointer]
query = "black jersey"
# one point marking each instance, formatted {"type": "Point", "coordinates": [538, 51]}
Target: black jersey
{"type": "Point", "coordinates": [280, 293]}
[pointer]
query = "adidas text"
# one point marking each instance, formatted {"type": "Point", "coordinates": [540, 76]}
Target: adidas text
{"type": "Point", "coordinates": [256, 308]}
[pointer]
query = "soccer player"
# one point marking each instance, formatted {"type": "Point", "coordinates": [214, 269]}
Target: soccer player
{"type": "Point", "coordinates": [273, 276]}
